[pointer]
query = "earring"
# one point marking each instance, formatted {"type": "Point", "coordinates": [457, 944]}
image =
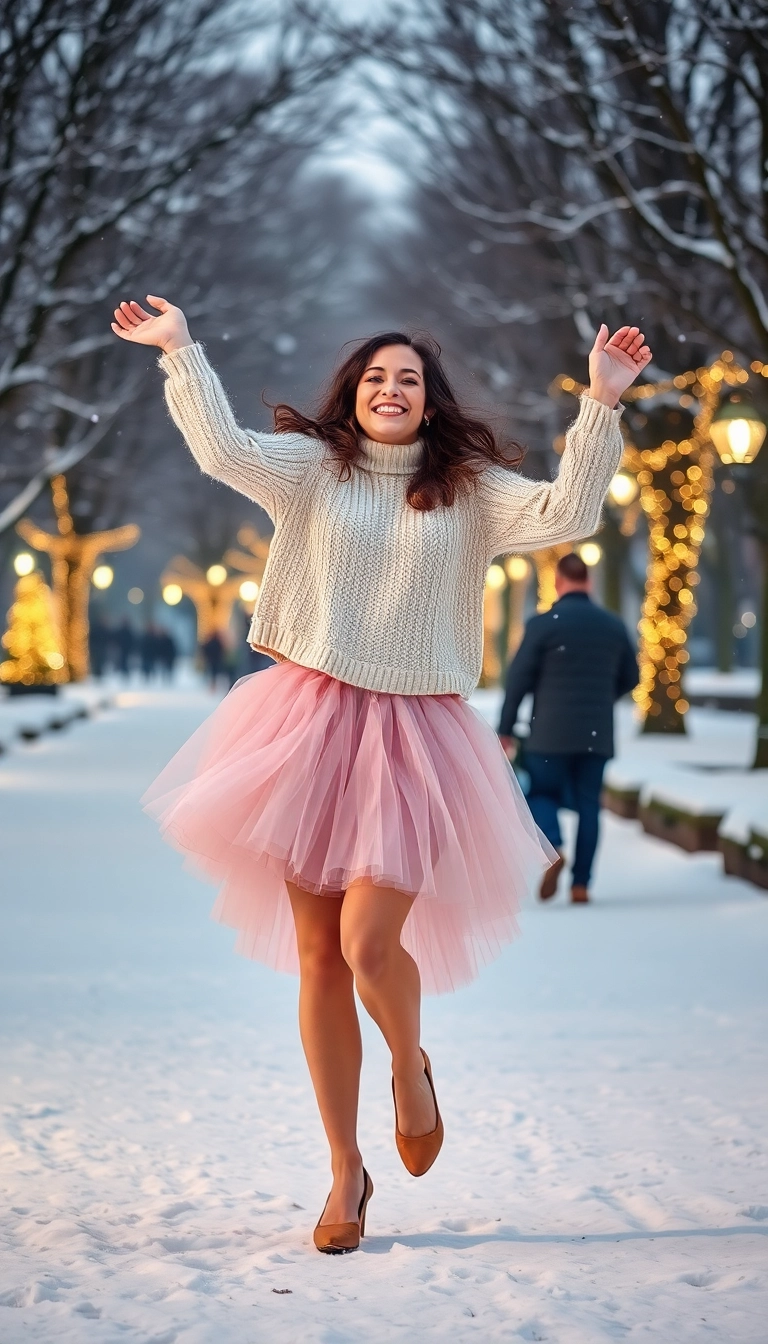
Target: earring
{"type": "Point", "coordinates": [426, 421]}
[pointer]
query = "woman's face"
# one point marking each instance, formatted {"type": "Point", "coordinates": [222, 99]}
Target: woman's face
{"type": "Point", "coordinates": [390, 403]}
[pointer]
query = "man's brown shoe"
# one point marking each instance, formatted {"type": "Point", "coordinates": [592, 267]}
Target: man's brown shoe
{"type": "Point", "coordinates": [579, 896]}
{"type": "Point", "coordinates": [548, 887]}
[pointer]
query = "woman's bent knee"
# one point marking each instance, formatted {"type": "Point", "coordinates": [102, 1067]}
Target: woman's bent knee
{"type": "Point", "coordinates": [367, 955]}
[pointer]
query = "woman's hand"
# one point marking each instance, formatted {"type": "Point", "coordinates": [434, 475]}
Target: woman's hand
{"type": "Point", "coordinates": [614, 364]}
{"type": "Point", "coordinates": [169, 331]}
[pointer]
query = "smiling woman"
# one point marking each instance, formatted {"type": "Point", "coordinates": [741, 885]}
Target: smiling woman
{"type": "Point", "coordinates": [395, 389]}
{"type": "Point", "coordinates": [360, 820]}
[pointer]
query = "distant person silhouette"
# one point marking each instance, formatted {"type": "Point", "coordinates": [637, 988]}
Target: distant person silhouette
{"type": "Point", "coordinates": [124, 643]}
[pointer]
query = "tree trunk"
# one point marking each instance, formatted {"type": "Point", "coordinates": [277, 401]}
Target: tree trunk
{"type": "Point", "coordinates": [675, 489]}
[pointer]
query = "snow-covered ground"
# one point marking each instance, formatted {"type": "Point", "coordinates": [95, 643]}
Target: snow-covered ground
{"type": "Point", "coordinates": [604, 1175]}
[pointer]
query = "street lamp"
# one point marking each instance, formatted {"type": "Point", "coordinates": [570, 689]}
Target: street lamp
{"type": "Point", "coordinates": [591, 553]}
{"type": "Point", "coordinates": [23, 563]}
{"type": "Point", "coordinates": [102, 576]}
{"type": "Point", "coordinates": [623, 489]}
{"type": "Point", "coordinates": [737, 431]}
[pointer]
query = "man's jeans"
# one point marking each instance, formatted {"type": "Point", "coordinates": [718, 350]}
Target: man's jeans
{"type": "Point", "coordinates": [572, 780]}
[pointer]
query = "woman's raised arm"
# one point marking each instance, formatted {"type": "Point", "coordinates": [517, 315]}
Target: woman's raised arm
{"type": "Point", "coordinates": [265, 467]}
{"type": "Point", "coordinates": [523, 514]}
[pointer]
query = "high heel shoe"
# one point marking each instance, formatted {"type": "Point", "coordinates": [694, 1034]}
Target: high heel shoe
{"type": "Point", "coordinates": [341, 1238]}
{"type": "Point", "coordinates": [419, 1151]}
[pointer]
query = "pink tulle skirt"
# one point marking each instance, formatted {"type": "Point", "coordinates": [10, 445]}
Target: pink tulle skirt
{"type": "Point", "coordinates": [298, 777]}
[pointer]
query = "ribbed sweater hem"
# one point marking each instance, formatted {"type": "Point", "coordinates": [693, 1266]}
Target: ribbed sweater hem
{"type": "Point", "coordinates": [282, 644]}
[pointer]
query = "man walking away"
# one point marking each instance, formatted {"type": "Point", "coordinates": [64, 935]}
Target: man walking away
{"type": "Point", "coordinates": [577, 660]}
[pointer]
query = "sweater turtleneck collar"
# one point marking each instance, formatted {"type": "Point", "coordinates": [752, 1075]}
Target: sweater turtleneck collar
{"type": "Point", "coordinates": [390, 459]}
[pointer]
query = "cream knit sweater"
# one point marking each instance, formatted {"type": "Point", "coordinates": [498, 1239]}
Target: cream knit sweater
{"type": "Point", "coordinates": [359, 584]}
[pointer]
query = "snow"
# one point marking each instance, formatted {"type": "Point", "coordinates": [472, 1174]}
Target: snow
{"type": "Point", "coordinates": [703, 681]}
{"type": "Point", "coordinates": [603, 1086]}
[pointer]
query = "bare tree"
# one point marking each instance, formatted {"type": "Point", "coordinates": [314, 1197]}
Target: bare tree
{"type": "Point", "coordinates": [627, 142]}
{"type": "Point", "coordinates": [123, 121]}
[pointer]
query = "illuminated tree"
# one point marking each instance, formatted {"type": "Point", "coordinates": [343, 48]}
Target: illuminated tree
{"type": "Point", "coordinates": [673, 460]}
{"type": "Point", "coordinates": [212, 591]}
{"type": "Point", "coordinates": [32, 641]}
{"type": "Point", "coordinates": [73, 560]}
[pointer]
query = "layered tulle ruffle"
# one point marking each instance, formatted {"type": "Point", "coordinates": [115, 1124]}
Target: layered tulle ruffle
{"type": "Point", "coordinates": [299, 777]}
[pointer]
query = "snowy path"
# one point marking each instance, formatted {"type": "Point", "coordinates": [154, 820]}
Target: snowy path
{"type": "Point", "coordinates": [604, 1088]}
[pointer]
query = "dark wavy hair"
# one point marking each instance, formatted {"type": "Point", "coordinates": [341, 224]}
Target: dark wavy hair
{"type": "Point", "coordinates": [456, 445]}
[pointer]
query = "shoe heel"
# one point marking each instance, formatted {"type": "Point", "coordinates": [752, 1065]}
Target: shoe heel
{"type": "Point", "coordinates": [367, 1192]}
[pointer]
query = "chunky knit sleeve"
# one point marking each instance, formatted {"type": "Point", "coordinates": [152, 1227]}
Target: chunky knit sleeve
{"type": "Point", "coordinates": [265, 467]}
{"type": "Point", "coordinates": [522, 515]}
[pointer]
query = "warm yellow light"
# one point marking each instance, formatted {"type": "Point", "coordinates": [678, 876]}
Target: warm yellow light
{"type": "Point", "coordinates": [172, 594]}
{"type": "Point", "coordinates": [135, 596]}
{"type": "Point", "coordinates": [54, 660]}
{"type": "Point", "coordinates": [103, 576]}
{"type": "Point", "coordinates": [517, 567]}
{"type": "Point", "coordinates": [590, 553]}
{"type": "Point", "coordinates": [24, 563]}
{"type": "Point", "coordinates": [216, 575]}
{"type": "Point", "coordinates": [249, 590]}
{"type": "Point", "coordinates": [495, 578]}
{"type": "Point", "coordinates": [737, 438]}
{"type": "Point", "coordinates": [623, 488]}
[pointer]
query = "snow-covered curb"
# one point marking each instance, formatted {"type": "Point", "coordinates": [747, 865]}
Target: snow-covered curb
{"type": "Point", "coordinates": [27, 717]}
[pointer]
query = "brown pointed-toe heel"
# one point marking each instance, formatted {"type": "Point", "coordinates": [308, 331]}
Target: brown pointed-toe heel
{"type": "Point", "coordinates": [419, 1152]}
{"type": "Point", "coordinates": [341, 1238]}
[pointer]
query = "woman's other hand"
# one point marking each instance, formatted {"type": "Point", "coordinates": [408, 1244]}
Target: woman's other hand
{"type": "Point", "coordinates": [615, 363]}
{"type": "Point", "coordinates": [169, 331]}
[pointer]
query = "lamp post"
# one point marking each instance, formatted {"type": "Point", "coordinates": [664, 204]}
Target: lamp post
{"type": "Point", "coordinates": [738, 432]}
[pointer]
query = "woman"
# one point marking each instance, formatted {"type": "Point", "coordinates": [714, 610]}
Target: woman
{"type": "Point", "coordinates": [359, 817]}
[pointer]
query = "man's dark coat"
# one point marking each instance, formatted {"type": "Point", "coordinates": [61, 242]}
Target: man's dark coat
{"type": "Point", "coordinates": [577, 660]}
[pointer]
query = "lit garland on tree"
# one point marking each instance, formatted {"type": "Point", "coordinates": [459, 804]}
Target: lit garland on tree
{"type": "Point", "coordinates": [545, 561]}
{"type": "Point", "coordinates": [675, 480]}
{"type": "Point", "coordinates": [34, 655]}
{"type": "Point", "coordinates": [73, 560]}
{"type": "Point", "coordinates": [213, 592]}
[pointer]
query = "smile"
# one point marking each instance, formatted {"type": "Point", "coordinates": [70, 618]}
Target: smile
{"type": "Point", "coordinates": [389, 410]}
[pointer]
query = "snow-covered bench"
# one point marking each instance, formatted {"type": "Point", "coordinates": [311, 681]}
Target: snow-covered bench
{"type": "Point", "coordinates": [742, 836]}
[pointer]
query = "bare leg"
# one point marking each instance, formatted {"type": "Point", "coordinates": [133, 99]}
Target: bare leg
{"type": "Point", "coordinates": [330, 1035]}
{"type": "Point", "coordinates": [387, 980]}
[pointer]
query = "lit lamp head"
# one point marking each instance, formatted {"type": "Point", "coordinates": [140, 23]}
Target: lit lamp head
{"type": "Point", "coordinates": [23, 563]}
{"type": "Point", "coordinates": [623, 489]}
{"type": "Point", "coordinates": [216, 575]}
{"type": "Point", "coordinates": [495, 578]}
{"type": "Point", "coordinates": [102, 576]}
{"type": "Point", "coordinates": [591, 553]}
{"type": "Point", "coordinates": [737, 431]}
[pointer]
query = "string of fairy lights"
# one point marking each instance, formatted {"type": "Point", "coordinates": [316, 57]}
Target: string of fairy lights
{"type": "Point", "coordinates": [675, 481]}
